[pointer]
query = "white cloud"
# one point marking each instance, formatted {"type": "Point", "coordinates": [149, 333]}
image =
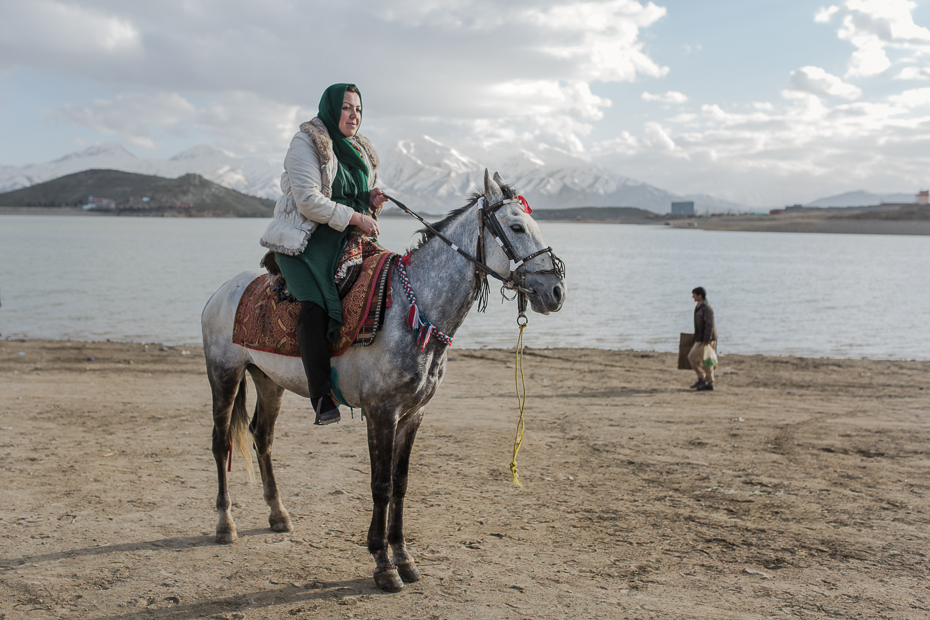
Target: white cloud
{"type": "Point", "coordinates": [817, 81]}
{"type": "Point", "coordinates": [669, 97]}
{"type": "Point", "coordinates": [713, 111]}
{"type": "Point", "coordinates": [912, 98]}
{"type": "Point", "coordinates": [914, 73]}
{"type": "Point", "coordinates": [658, 138]}
{"type": "Point", "coordinates": [540, 97]}
{"type": "Point", "coordinates": [825, 14]}
{"type": "Point", "coordinates": [242, 123]}
{"type": "Point", "coordinates": [606, 43]}
{"type": "Point", "coordinates": [507, 65]}
{"type": "Point", "coordinates": [826, 133]}
{"type": "Point", "coordinates": [868, 60]}
{"type": "Point", "coordinates": [780, 153]}
{"type": "Point", "coordinates": [872, 26]}
{"type": "Point", "coordinates": [134, 116]}
{"type": "Point", "coordinates": [48, 31]}
{"type": "Point", "coordinates": [684, 117]}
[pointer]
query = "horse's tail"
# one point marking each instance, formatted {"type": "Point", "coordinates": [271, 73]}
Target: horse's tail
{"type": "Point", "coordinates": [240, 437]}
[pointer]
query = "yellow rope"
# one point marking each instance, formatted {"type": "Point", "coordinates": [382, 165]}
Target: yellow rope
{"type": "Point", "coordinates": [519, 381]}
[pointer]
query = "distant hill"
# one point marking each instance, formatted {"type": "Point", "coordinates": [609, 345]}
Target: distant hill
{"type": "Point", "coordinates": [908, 213]}
{"type": "Point", "coordinates": [140, 194]}
{"type": "Point", "coordinates": [861, 198]}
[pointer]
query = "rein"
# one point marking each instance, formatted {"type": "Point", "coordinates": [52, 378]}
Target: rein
{"type": "Point", "coordinates": [516, 279]}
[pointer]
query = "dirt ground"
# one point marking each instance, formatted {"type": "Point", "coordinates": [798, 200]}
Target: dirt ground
{"type": "Point", "coordinates": [798, 489]}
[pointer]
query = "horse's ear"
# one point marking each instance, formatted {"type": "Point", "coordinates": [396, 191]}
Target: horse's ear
{"type": "Point", "coordinates": [491, 189]}
{"type": "Point", "coordinates": [498, 179]}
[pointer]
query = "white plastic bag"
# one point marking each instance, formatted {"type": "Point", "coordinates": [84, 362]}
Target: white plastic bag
{"type": "Point", "coordinates": [710, 356]}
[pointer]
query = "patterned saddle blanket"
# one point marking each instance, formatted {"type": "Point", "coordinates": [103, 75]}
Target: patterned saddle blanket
{"type": "Point", "coordinates": [266, 322]}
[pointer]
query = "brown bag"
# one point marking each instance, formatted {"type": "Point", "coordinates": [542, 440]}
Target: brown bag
{"type": "Point", "coordinates": [685, 342]}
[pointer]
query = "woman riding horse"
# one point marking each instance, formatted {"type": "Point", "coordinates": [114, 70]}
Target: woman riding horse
{"type": "Point", "coordinates": [330, 173]}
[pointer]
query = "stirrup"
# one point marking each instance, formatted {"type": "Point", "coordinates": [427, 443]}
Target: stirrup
{"type": "Point", "coordinates": [326, 410]}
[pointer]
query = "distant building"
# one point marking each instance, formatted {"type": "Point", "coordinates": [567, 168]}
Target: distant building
{"type": "Point", "coordinates": [683, 208]}
{"type": "Point", "coordinates": [923, 197]}
{"type": "Point", "coordinates": [99, 203]}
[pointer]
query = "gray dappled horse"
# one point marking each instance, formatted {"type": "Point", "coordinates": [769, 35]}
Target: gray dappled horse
{"type": "Point", "coordinates": [392, 380]}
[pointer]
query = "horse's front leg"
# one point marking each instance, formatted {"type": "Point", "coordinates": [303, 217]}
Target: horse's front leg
{"type": "Point", "coordinates": [403, 445]}
{"type": "Point", "coordinates": [382, 427]}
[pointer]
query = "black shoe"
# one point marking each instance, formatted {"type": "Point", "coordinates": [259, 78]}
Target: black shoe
{"type": "Point", "coordinates": [326, 410]}
{"type": "Point", "coordinates": [706, 388]}
{"type": "Point", "coordinates": [700, 384]}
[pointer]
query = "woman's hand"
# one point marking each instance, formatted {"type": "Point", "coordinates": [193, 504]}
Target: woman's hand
{"type": "Point", "coordinates": [368, 224]}
{"type": "Point", "coordinates": [376, 200]}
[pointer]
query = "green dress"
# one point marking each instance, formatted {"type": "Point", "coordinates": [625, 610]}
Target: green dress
{"type": "Point", "coordinates": [310, 274]}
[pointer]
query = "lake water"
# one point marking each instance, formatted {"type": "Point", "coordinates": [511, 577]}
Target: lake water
{"type": "Point", "coordinates": [629, 287]}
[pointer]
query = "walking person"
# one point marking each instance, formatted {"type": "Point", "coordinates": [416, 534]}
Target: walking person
{"type": "Point", "coordinates": [705, 333]}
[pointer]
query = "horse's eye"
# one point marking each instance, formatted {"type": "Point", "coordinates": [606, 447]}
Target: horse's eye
{"type": "Point", "coordinates": [517, 228]}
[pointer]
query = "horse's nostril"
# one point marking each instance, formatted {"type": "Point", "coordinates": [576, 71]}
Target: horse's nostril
{"type": "Point", "coordinates": [557, 293]}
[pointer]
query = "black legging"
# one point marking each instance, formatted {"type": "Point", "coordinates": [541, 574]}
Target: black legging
{"type": "Point", "coordinates": [312, 323]}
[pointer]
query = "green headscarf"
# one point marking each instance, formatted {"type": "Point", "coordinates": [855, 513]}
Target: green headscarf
{"type": "Point", "coordinates": [350, 185]}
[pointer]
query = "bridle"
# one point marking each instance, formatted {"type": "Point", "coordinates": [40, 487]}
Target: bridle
{"type": "Point", "coordinates": [516, 278]}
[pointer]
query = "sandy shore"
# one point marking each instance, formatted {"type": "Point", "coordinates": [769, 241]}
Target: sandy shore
{"type": "Point", "coordinates": [798, 489]}
{"type": "Point", "coordinates": [827, 222]}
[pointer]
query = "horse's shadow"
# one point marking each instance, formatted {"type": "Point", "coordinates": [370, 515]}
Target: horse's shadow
{"type": "Point", "coordinates": [146, 545]}
{"type": "Point", "coordinates": [288, 595]}
{"type": "Point", "coordinates": [260, 599]}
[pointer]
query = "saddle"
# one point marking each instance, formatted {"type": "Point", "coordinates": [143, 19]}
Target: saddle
{"type": "Point", "coordinates": [266, 317]}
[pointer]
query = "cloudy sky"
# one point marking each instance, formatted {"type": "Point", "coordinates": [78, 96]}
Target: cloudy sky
{"type": "Point", "coordinates": [763, 102]}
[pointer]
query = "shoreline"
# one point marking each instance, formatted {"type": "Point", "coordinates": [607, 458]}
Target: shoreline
{"type": "Point", "coordinates": [823, 223]}
{"type": "Point", "coordinates": [453, 350]}
{"type": "Point", "coordinates": [820, 223]}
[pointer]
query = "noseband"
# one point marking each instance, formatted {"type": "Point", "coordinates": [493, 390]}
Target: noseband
{"type": "Point", "coordinates": [516, 278]}
{"type": "Point", "coordinates": [518, 268]}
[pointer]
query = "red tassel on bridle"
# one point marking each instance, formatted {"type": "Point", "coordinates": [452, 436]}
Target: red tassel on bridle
{"type": "Point", "coordinates": [526, 205]}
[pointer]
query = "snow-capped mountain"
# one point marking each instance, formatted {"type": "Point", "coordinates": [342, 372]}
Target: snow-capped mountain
{"type": "Point", "coordinates": [254, 176]}
{"type": "Point", "coordinates": [423, 173]}
{"type": "Point", "coordinates": [436, 178]}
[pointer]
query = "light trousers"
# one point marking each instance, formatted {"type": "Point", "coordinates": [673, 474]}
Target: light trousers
{"type": "Point", "coordinates": [696, 357]}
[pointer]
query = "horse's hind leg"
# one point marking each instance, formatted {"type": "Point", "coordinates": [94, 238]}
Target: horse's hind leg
{"type": "Point", "coordinates": [228, 409]}
{"type": "Point", "coordinates": [267, 407]}
{"type": "Point", "coordinates": [403, 444]}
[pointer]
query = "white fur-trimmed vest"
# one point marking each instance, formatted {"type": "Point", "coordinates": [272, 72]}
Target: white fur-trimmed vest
{"type": "Point", "coordinates": [290, 229]}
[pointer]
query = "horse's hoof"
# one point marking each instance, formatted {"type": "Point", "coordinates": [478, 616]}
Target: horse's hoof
{"type": "Point", "coordinates": [226, 537]}
{"type": "Point", "coordinates": [408, 572]}
{"type": "Point", "coordinates": [281, 525]}
{"type": "Point", "coordinates": [387, 579]}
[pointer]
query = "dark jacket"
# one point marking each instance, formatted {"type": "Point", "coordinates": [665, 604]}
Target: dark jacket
{"type": "Point", "coordinates": [704, 328]}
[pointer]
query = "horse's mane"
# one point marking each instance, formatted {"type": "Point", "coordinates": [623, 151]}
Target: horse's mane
{"type": "Point", "coordinates": [441, 225]}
